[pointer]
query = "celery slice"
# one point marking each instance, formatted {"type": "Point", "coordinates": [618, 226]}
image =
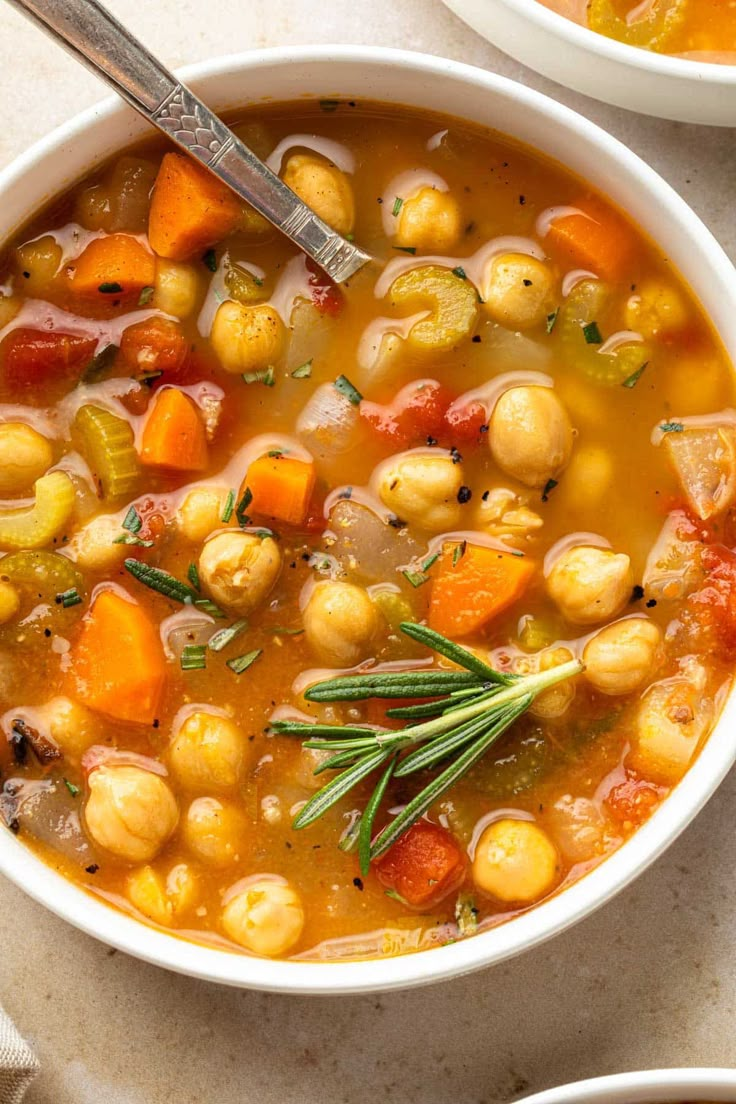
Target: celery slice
{"type": "Point", "coordinates": [453, 302]}
{"type": "Point", "coordinates": [37, 525]}
{"type": "Point", "coordinates": [108, 446]}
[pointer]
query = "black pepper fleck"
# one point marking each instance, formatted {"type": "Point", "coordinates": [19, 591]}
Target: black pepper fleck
{"type": "Point", "coordinates": [464, 495]}
{"type": "Point", "coordinates": [476, 338]}
{"type": "Point", "coordinates": [358, 883]}
{"type": "Point", "coordinates": [637, 593]}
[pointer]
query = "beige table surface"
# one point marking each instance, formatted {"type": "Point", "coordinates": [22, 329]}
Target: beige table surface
{"type": "Point", "coordinates": [650, 980]}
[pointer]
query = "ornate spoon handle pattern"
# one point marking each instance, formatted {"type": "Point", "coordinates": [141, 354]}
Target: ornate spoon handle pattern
{"type": "Point", "coordinates": [96, 38]}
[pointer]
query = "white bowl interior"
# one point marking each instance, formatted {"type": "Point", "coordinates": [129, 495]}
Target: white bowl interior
{"type": "Point", "coordinates": [432, 83]}
{"type": "Point", "coordinates": [665, 1086]}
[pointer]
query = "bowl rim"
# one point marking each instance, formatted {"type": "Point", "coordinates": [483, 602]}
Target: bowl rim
{"type": "Point", "coordinates": [621, 53]}
{"type": "Point", "coordinates": [643, 1087]}
{"type": "Point", "coordinates": [162, 948]}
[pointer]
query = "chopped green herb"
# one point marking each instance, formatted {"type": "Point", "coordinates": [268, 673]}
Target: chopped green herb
{"type": "Point", "coordinates": [349, 839]}
{"type": "Point", "coordinates": [69, 598]}
{"type": "Point", "coordinates": [551, 320]}
{"type": "Point", "coordinates": [145, 296]}
{"type": "Point", "coordinates": [160, 581]}
{"type": "Point", "coordinates": [460, 272]}
{"type": "Point", "coordinates": [430, 560]}
{"type": "Point", "coordinates": [416, 578]}
{"type": "Point", "coordinates": [193, 576]}
{"type": "Point", "coordinates": [279, 630]}
{"type": "Point", "coordinates": [304, 371]}
{"type": "Point", "coordinates": [73, 790]}
{"type": "Point", "coordinates": [209, 259]}
{"type": "Point", "coordinates": [672, 427]}
{"type": "Point", "coordinates": [207, 606]}
{"type": "Point", "coordinates": [633, 379]}
{"type": "Point", "coordinates": [275, 454]}
{"type": "Point", "coordinates": [549, 486]}
{"type": "Point", "coordinates": [110, 289]}
{"type": "Point", "coordinates": [458, 552]}
{"type": "Point", "coordinates": [149, 378]}
{"type": "Point", "coordinates": [228, 508]}
{"type": "Point", "coordinates": [395, 896]}
{"type": "Point", "coordinates": [133, 521]}
{"type": "Point", "coordinates": [406, 249]}
{"type": "Point", "coordinates": [223, 637]}
{"type": "Point", "coordinates": [240, 510]}
{"type": "Point", "coordinates": [466, 915]}
{"type": "Point", "coordinates": [242, 663]}
{"type": "Point", "coordinates": [350, 237]}
{"type": "Point", "coordinates": [592, 334]}
{"type": "Point", "coordinates": [346, 388]}
{"type": "Point", "coordinates": [193, 657]}
{"type": "Point", "coordinates": [100, 364]}
{"type": "Point", "coordinates": [132, 539]}
{"type": "Point", "coordinates": [329, 105]}
{"type": "Point", "coordinates": [266, 376]}
{"type": "Point", "coordinates": [398, 204]}
{"type": "Point", "coordinates": [264, 533]}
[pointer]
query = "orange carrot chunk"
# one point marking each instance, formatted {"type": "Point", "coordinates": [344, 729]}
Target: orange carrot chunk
{"type": "Point", "coordinates": [470, 589]}
{"type": "Point", "coordinates": [112, 268]}
{"type": "Point", "coordinates": [597, 239]}
{"type": "Point", "coordinates": [174, 435]}
{"type": "Point", "coordinates": [424, 866]}
{"type": "Point", "coordinates": [281, 487]}
{"type": "Point", "coordinates": [118, 666]}
{"type": "Point", "coordinates": [190, 209]}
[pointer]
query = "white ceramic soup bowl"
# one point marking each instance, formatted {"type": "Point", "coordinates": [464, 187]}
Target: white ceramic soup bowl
{"type": "Point", "coordinates": [426, 82]}
{"type": "Point", "coordinates": [655, 84]}
{"type": "Point", "coordinates": [665, 1086]}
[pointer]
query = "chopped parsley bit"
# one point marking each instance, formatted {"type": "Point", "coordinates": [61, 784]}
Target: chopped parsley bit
{"type": "Point", "coordinates": [133, 521]}
{"type": "Point", "coordinates": [161, 581]}
{"type": "Point", "coordinates": [207, 606]}
{"type": "Point", "coordinates": [243, 662]}
{"type": "Point", "coordinates": [257, 280]}
{"type": "Point", "coordinates": [398, 204]}
{"type": "Point", "coordinates": [633, 379]}
{"type": "Point", "coordinates": [193, 657]}
{"type": "Point", "coordinates": [69, 598]}
{"type": "Point", "coordinates": [73, 790]}
{"type": "Point", "coordinates": [592, 334]}
{"type": "Point", "coordinates": [406, 249]}
{"type": "Point", "coordinates": [348, 390]}
{"type": "Point", "coordinates": [100, 364]}
{"type": "Point", "coordinates": [416, 578]}
{"type": "Point", "coordinates": [304, 370]}
{"type": "Point", "coordinates": [223, 637]}
{"type": "Point", "coordinates": [130, 538]}
{"type": "Point", "coordinates": [209, 260]}
{"type": "Point", "coordinates": [549, 486]}
{"type": "Point", "coordinates": [431, 560]}
{"type": "Point", "coordinates": [464, 495]}
{"type": "Point", "coordinates": [228, 508]}
{"type": "Point", "coordinates": [458, 552]}
{"type": "Point", "coordinates": [329, 105]}
{"type": "Point", "coordinates": [110, 289]}
{"type": "Point", "coordinates": [145, 296]}
{"type": "Point", "coordinates": [240, 510]}
{"type": "Point", "coordinates": [392, 893]}
{"type": "Point", "coordinates": [672, 427]}
{"type": "Point", "coordinates": [516, 552]}
{"type": "Point", "coordinates": [266, 376]}
{"type": "Point", "coordinates": [193, 576]}
{"type": "Point", "coordinates": [460, 272]}
{"type": "Point", "coordinates": [552, 319]}
{"type": "Point", "coordinates": [275, 454]}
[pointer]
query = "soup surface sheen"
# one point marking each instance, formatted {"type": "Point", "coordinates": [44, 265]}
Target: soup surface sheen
{"type": "Point", "coordinates": [702, 30]}
{"type": "Point", "coordinates": [225, 479]}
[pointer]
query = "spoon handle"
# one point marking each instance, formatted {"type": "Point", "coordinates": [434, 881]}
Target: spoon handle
{"type": "Point", "coordinates": [96, 38]}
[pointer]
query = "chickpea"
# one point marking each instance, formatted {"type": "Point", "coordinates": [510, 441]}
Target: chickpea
{"type": "Point", "coordinates": [201, 513]}
{"type": "Point", "coordinates": [619, 658]}
{"type": "Point", "coordinates": [422, 490]}
{"type": "Point", "coordinates": [555, 701]}
{"type": "Point", "coordinates": [177, 287]}
{"type": "Point", "coordinates": [518, 291]}
{"type": "Point", "coordinates": [159, 900]}
{"type": "Point", "coordinates": [71, 726]}
{"type": "Point", "coordinates": [340, 623]}
{"type": "Point", "coordinates": [588, 478]}
{"type": "Point", "coordinates": [239, 569]}
{"type": "Point", "coordinates": [590, 585]}
{"type": "Point", "coordinates": [430, 219]}
{"type": "Point", "coordinates": [9, 602]}
{"type": "Point", "coordinates": [209, 752]}
{"type": "Point", "coordinates": [530, 436]}
{"type": "Point", "coordinates": [93, 546]}
{"type": "Point", "coordinates": [25, 455]}
{"type": "Point", "coordinates": [655, 308]}
{"type": "Point", "coordinates": [515, 860]}
{"type": "Point", "coordinates": [130, 812]}
{"type": "Point", "coordinates": [246, 338]}
{"type": "Point", "coordinates": [215, 831]}
{"type": "Point", "coordinates": [266, 916]}
{"type": "Point", "coordinates": [324, 188]}
{"type": "Point", "coordinates": [38, 262]}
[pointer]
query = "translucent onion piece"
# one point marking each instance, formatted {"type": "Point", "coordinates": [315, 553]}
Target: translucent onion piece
{"type": "Point", "coordinates": [37, 525]}
{"type": "Point", "coordinates": [454, 304]}
{"type": "Point", "coordinates": [650, 25]}
{"type": "Point", "coordinates": [673, 566]}
{"type": "Point", "coordinates": [365, 547]}
{"type": "Point", "coordinates": [704, 461]}
{"type": "Point", "coordinates": [328, 424]}
{"type": "Point", "coordinates": [49, 811]}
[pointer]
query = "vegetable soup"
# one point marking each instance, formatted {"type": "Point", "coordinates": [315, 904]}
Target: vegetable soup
{"type": "Point", "coordinates": [340, 622]}
{"type": "Point", "coordinates": [702, 30]}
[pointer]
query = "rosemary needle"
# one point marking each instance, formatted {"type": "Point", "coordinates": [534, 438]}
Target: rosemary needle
{"type": "Point", "coordinates": [473, 707]}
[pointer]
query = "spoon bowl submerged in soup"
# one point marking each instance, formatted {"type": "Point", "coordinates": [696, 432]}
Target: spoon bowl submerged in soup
{"type": "Point", "coordinates": [501, 462]}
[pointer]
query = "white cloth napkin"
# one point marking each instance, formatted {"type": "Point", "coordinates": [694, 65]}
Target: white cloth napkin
{"type": "Point", "coordinates": [18, 1063]}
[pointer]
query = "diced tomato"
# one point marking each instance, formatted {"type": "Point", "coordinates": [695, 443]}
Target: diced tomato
{"type": "Point", "coordinates": [466, 424]}
{"type": "Point", "coordinates": [633, 801]}
{"type": "Point", "coordinates": [424, 866]}
{"type": "Point", "coordinates": [416, 414]}
{"type": "Point", "coordinates": [154, 345]}
{"type": "Point", "coordinates": [714, 604]}
{"type": "Point", "coordinates": [32, 358]}
{"type": "Point", "coordinates": [326, 295]}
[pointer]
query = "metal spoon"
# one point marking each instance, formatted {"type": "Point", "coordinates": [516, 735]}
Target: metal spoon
{"type": "Point", "coordinates": [95, 38]}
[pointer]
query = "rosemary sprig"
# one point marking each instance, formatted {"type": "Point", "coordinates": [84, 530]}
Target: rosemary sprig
{"type": "Point", "coordinates": [473, 707]}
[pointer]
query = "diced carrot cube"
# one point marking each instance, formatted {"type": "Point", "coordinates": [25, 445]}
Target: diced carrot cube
{"type": "Point", "coordinates": [191, 209]}
{"type": "Point", "coordinates": [113, 268]}
{"type": "Point", "coordinates": [281, 487]}
{"type": "Point", "coordinates": [470, 589]}
{"type": "Point", "coordinates": [174, 435]}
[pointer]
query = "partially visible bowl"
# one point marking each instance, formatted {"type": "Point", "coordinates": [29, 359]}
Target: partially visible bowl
{"type": "Point", "coordinates": [665, 1086]}
{"type": "Point", "coordinates": [654, 84]}
{"type": "Point", "coordinates": [399, 78]}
